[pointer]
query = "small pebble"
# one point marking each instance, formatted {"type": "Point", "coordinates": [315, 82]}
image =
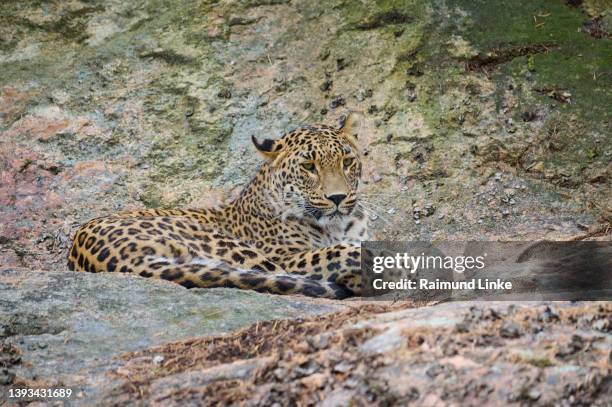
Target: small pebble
{"type": "Point", "coordinates": [306, 369]}
{"type": "Point", "coordinates": [343, 367]}
{"type": "Point", "coordinates": [363, 94]}
{"type": "Point", "coordinates": [533, 394]}
{"type": "Point", "coordinates": [602, 325]}
{"type": "Point", "coordinates": [318, 342]}
{"type": "Point", "coordinates": [326, 85]}
{"type": "Point", "coordinates": [462, 327]}
{"type": "Point", "coordinates": [510, 330]}
{"type": "Point", "coordinates": [280, 373]}
{"type": "Point", "coordinates": [337, 101]}
{"type": "Point", "coordinates": [434, 370]}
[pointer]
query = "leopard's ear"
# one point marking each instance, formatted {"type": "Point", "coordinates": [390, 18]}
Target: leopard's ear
{"type": "Point", "coordinates": [268, 148]}
{"type": "Point", "coordinates": [350, 125]}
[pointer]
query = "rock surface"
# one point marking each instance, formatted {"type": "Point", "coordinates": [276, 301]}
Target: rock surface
{"type": "Point", "coordinates": [448, 354]}
{"type": "Point", "coordinates": [478, 125]}
{"type": "Point", "coordinates": [68, 327]}
{"type": "Point", "coordinates": [106, 336]}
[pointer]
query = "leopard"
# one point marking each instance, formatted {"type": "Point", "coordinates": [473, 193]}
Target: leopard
{"type": "Point", "coordinates": [295, 228]}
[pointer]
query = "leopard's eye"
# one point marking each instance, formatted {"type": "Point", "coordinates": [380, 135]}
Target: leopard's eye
{"type": "Point", "coordinates": [310, 167]}
{"type": "Point", "coordinates": [347, 162]}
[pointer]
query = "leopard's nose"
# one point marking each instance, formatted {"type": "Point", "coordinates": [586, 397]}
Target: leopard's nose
{"type": "Point", "coordinates": [337, 198]}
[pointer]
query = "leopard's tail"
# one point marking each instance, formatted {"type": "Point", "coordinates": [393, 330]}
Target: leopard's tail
{"type": "Point", "coordinates": [212, 273]}
{"type": "Point", "coordinates": [209, 273]}
{"type": "Point", "coordinates": [277, 283]}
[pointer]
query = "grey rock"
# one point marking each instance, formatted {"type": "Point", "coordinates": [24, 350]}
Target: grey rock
{"type": "Point", "coordinates": [510, 330]}
{"type": "Point", "coordinates": [337, 398]}
{"type": "Point", "coordinates": [241, 369]}
{"type": "Point", "coordinates": [385, 342]}
{"type": "Point", "coordinates": [84, 321]}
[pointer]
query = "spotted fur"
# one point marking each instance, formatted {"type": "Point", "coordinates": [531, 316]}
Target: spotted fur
{"type": "Point", "coordinates": [295, 228]}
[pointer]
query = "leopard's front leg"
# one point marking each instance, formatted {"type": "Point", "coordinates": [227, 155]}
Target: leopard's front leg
{"type": "Point", "coordinates": [340, 264]}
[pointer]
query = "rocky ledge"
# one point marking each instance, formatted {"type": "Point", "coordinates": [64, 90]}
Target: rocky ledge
{"type": "Point", "coordinates": [67, 328]}
{"type": "Point", "coordinates": [126, 340]}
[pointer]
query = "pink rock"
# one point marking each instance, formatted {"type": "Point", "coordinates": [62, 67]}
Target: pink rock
{"type": "Point", "coordinates": [12, 103]}
{"type": "Point", "coordinates": [46, 122]}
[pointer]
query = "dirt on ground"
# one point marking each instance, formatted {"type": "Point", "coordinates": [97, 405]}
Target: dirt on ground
{"type": "Point", "coordinates": [351, 358]}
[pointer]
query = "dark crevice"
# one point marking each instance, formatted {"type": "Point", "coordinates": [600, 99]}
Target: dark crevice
{"type": "Point", "coordinates": [384, 19]}
{"type": "Point", "coordinates": [170, 57]}
{"type": "Point", "coordinates": [573, 3]}
{"type": "Point", "coordinates": [500, 55]}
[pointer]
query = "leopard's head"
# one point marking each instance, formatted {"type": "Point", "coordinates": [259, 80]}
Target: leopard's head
{"type": "Point", "coordinates": [314, 171]}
